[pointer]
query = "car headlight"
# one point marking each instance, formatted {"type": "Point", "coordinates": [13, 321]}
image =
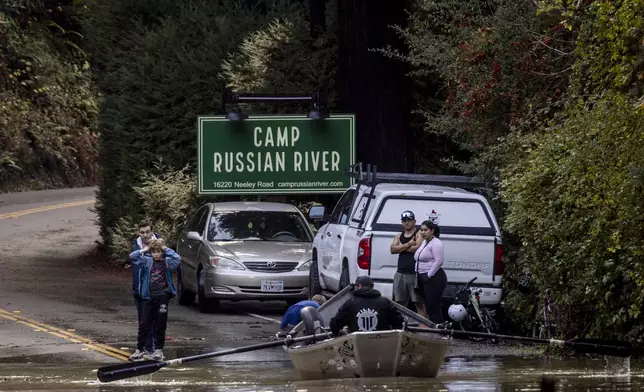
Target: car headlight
{"type": "Point", "coordinates": [224, 263]}
{"type": "Point", "coordinates": [305, 267]}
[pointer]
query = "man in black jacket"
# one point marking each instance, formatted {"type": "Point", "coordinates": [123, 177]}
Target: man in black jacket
{"type": "Point", "coordinates": [368, 310]}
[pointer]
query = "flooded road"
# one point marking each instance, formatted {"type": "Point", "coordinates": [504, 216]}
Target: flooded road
{"type": "Point", "coordinates": [65, 312]}
{"type": "Point", "coordinates": [456, 374]}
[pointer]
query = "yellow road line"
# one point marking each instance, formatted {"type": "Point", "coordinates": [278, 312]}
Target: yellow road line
{"type": "Point", "coordinates": [72, 337]}
{"type": "Point", "coordinates": [68, 334]}
{"type": "Point", "coordinates": [45, 208]}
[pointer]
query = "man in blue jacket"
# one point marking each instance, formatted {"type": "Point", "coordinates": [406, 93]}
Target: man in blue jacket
{"type": "Point", "coordinates": [292, 316]}
{"type": "Point", "coordinates": [156, 288]}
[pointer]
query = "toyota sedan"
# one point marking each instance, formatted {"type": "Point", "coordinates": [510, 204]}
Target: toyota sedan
{"type": "Point", "coordinates": [244, 251]}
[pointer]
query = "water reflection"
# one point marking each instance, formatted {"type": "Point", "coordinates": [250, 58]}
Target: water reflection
{"type": "Point", "coordinates": [457, 374]}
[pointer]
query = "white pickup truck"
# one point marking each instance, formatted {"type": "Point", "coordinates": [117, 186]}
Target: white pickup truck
{"type": "Point", "coordinates": [355, 239]}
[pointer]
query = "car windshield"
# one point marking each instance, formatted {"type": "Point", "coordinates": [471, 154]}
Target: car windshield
{"type": "Point", "coordinates": [257, 225]}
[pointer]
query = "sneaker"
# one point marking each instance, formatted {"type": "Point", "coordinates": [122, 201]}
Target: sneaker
{"type": "Point", "coordinates": [137, 356]}
{"type": "Point", "coordinates": [157, 355]}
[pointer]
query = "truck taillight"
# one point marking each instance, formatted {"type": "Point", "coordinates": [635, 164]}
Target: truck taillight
{"type": "Point", "coordinates": [364, 253]}
{"type": "Point", "coordinates": [499, 267]}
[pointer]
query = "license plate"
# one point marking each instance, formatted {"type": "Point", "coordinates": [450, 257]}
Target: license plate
{"type": "Point", "coordinates": [272, 286]}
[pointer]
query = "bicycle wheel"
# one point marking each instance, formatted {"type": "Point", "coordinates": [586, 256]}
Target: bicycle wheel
{"type": "Point", "coordinates": [489, 323]}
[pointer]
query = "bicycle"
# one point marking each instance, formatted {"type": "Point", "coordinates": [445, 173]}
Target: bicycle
{"type": "Point", "coordinates": [544, 325]}
{"type": "Point", "coordinates": [467, 311]}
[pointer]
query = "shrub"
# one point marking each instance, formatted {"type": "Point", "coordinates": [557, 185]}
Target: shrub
{"type": "Point", "coordinates": [49, 107]}
{"type": "Point", "coordinates": [575, 201]}
{"type": "Point", "coordinates": [168, 198]}
{"type": "Point", "coordinates": [282, 58]}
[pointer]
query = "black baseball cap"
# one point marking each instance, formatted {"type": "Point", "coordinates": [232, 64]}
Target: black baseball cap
{"type": "Point", "coordinates": [364, 281]}
{"type": "Point", "coordinates": [407, 215]}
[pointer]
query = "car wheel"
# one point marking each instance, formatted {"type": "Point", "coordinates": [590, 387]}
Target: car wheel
{"type": "Point", "coordinates": [344, 278]}
{"type": "Point", "coordinates": [206, 305]}
{"type": "Point", "coordinates": [314, 280]}
{"type": "Point", "coordinates": [184, 297]}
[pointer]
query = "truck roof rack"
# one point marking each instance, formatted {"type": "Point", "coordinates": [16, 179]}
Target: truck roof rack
{"type": "Point", "coordinates": [372, 178]}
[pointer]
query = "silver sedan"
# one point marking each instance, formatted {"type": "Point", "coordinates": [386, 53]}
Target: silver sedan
{"type": "Point", "coordinates": [244, 251]}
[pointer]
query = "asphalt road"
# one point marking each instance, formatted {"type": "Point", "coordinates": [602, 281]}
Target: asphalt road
{"type": "Point", "coordinates": [61, 303]}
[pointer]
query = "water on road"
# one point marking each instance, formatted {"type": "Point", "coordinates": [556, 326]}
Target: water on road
{"type": "Point", "coordinates": [457, 374]}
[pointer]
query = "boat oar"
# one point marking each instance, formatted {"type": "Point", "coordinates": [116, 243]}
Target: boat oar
{"type": "Point", "coordinates": [616, 348]}
{"type": "Point", "coordinates": [135, 369]}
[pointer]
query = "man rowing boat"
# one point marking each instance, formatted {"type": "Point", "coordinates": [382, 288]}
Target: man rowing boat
{"type": "Point", "coordinates": [368, 310]}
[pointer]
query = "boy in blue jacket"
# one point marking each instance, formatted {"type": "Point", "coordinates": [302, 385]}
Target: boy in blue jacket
{"type": "Point", "coordinates": [156, 288]}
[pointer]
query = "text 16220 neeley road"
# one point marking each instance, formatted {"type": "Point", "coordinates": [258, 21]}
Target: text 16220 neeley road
{"type": "Point", "coordinates": [273, 184]}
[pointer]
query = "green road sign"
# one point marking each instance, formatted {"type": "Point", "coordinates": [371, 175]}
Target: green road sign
{"type": "Point", "coordinates": [274, 154]}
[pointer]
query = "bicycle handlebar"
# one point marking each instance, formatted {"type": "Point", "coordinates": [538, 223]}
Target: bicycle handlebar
{"type": "Point", "coordinates": [467, 285]}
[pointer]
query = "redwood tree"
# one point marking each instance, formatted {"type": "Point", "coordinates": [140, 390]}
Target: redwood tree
{"type": "Point", "coordinates": [373, 86]}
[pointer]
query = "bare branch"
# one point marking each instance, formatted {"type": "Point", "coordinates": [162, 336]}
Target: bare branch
{"type": "Point", "coordinates": [561, 52]}
{"type": "Point", "coordinates": [552, 74]}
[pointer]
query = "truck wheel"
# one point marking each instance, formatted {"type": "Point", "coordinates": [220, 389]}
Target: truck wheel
{"type": "Point", "coordinates": [314, 280]}
{"type": "Point", "coordinates": [344, 278]}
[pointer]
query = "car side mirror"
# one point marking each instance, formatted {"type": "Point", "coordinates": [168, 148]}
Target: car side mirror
{"type": "Point", "coordinates": [316, 213]}
{"type": "Point", "coordinates": [193, 235]}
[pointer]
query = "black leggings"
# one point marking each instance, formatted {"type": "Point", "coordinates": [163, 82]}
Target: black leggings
{"type": "Point", "coordinates": [431, 290]}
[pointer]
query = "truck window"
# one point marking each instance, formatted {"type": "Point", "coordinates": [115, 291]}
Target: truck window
{"type": "Point", "coordinates": [357, 213]}
{"type": "Point", "coordinates": [342, 210]}
{"type": "Point", "coordinates": [445, 212]}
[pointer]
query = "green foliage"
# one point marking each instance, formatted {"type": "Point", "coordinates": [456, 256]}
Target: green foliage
{"type": "Point", "coordinates": [49, 107]}
{"type": "Point", "coordinates": [609, 44]}
{"type": "Point", "coordinates": [501, 67]}
{"type": "Point", "coordinates": [163, 63]}
{"type": "Point", "coordinates": [509, 82]}
{"type": "Point", "coordinates": [575, 201]}
{"type": "Point", "coordinates": [167, 199]}
{"type": "Point", "coordinates": [282, 58]}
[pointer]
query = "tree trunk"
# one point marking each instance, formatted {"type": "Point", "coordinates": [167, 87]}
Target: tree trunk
{"type": "Point", "coordinates": [317, 24]}
{"type": "Point", "coordinates": [372, 86]}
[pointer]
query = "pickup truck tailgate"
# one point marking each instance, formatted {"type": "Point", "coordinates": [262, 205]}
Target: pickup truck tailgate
{"type": "Point", "coordinates": [467, 229]}
{"type": "Point", "coordinates": [465, 258]}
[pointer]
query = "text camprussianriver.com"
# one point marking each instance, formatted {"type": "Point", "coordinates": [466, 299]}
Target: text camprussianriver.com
{"type": "Point", "coordinates": [273, 184]}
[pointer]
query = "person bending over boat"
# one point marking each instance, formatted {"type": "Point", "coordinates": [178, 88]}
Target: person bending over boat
{"type": "Point", "coordinates": [368, 310]}
{"type": "Point", "coordinates": [292, 316]}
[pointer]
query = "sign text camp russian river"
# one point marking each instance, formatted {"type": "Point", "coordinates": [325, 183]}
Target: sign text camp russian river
{"type": "Point", "coordinates": [275, 154]}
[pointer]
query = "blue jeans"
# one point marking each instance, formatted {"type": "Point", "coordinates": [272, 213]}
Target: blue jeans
{"type": "Point", "coordinates": [149, 339]}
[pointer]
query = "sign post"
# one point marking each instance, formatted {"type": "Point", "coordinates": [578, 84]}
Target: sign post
{"type": "Point", "coordinates": [274, 154]}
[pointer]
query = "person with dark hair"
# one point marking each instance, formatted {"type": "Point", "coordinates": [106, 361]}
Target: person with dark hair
{"type": "Point", "coordinates": [432, 279]}
{"type": "Point", "coordinates": [405, 244]}
{"type": "Point", "coordinates": [368, 310]}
